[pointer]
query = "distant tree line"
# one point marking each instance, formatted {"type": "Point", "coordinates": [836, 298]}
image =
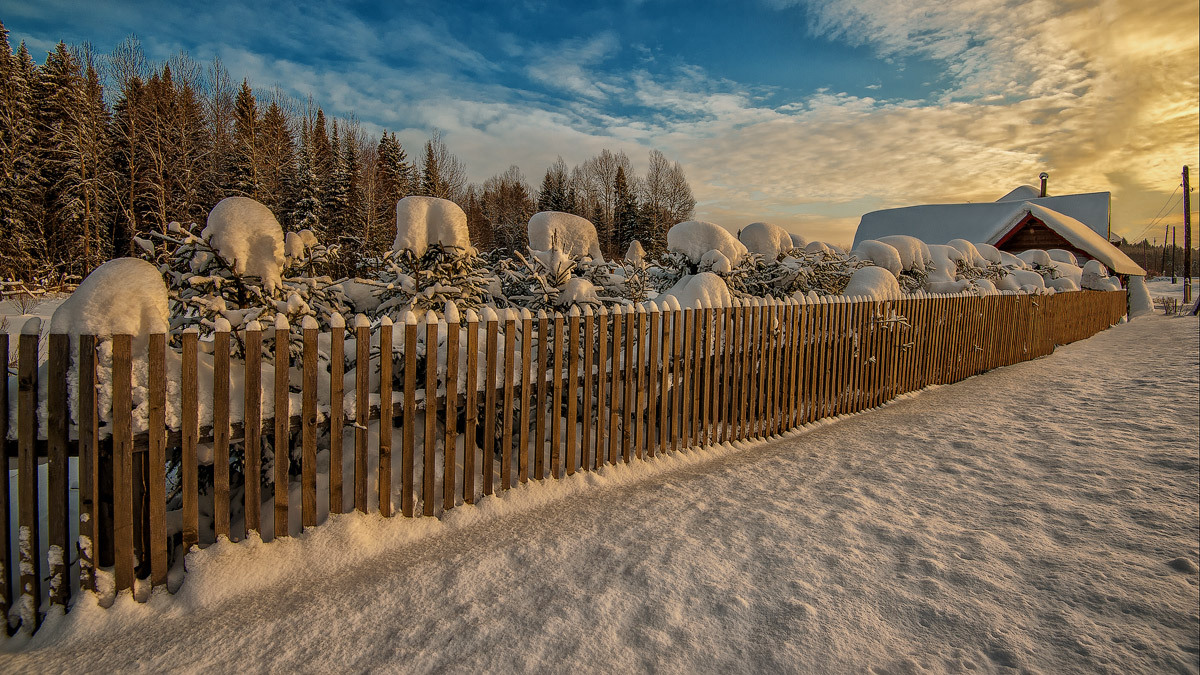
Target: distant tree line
{"type": "Point", "coordinates": [1159, 260]}
{"type": "Point", "coordinates": [97, 150]}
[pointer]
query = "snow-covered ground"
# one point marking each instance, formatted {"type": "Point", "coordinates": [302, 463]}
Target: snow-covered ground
{"type": "Point", "coordinates": [1041, 517]}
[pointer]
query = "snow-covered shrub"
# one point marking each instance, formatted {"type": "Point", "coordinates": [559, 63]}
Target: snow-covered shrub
{"type": "Point", "coordinates": [565, 232]}
{"type": "Point", "coordinates": [1139, 297]}
{"type": "Point", "coordinates": [1095, 276]}
{"type": "Point", "coordinates": [879, 254]}
{"type": "Point", "coordinates": [422, 222]}
{"type": "Point", "coordinates": [694, 238]}
{"type": "Point", "coordinates": [635, 254]}
{"type": "Point", "coordinates": [825, 273]}
{"type": "Point", "coordinates": [766, 239]}
{"type": "Point", "coordinates": [798, 241]}
{"type": "Point", "coordinates": [577, 291]}
{"type": "Point", "coordinates": [1062, 255]}
{"type": "Point", "coordinates": [971, 256]}
{"type": "Point", "coordinates": [246, 234]}
{"type": "Point", "coordinates": [702, 290]}
{"type": "Point", "coordinates": [125, 296]}
{"type": "Point", "coordinates": [1063, 284]}
{"type": "Point", "coordinates": [914, 253]}
{"type": "Point", "coordinates": [443, 273]}
{"type": "Point", "coordinates": [877, 283]}
{"type": "Point", "coordinates": [990, 253]}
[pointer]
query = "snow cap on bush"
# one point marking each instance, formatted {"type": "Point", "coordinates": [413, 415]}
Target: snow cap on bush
{"type": "Point", "coordinates": [565, 232]}
{"type": "Point", "coordinates": [577, 291]}
{"type": "Point", "coordinates": [881, 254]}
{"type": "Point", "coordinates": [1062, 255]}
{"type": "Point", "coordinates": [424, 221]}
{"type": "Point", "coordinates": [914, 253]}
{"type": "Point", "coordinates": [125, 296]}
{"type": "Point", "coordinates": [699, 291]}
{"type": "Point", "coordinates": [246, 233]}
{"type": "Point", "coordinates": [635, 254]}
{"type": "Point", "coordinates": [694, 238]}
{"type": "Point", "coordinates": [970, 254]}
{"type": "Point", "coordinates": [798, 241]}
{"type": "Point", "coordinates": [715, 261]}
{"type": "Point", "coordinates": [1035, 256]}
{"type": "Point", "coordinates": [877, 283]}
{"type": "Point", "coordinates": [990, 253]}
{"type": "Point", "coordinates": [766, 239]}
{"type": "Point", "coordinates": [1094, 276]}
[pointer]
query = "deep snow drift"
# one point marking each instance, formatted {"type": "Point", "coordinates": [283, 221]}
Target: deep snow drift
{"type": "Point", "coordinates": [1041, 517]}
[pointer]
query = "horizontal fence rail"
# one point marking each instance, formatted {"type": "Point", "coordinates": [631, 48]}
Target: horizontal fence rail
{"type": "Point", "coordinates": [473, 408]}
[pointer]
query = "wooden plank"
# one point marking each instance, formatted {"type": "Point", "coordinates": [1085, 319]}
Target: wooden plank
{"type": "Point", "coordinates": [572, 387]}
{"type": "Point", "coordinates": [387, 366]}
{"type": "Point", "coordinates": [618, 323]}
{"type": "Point", "coordinates": [539, 431]}
{"type": "Point", "coordinates": [472, 406]}
{"type": "Point", "coordinates": [695, 365]}
{"type": "Point", "coordinates": [845, 354]}
{"type": "Point", "coordinates": [688, 366]}
{"type": "Point", "coordinates": [589, 379]}
{"type": "Point", "coordinates": [122, 489]}
{"type": "Point", "coordinates": [58, 525]}
{"type": "Point", "coordinates": [704, 386]}
{"type": "Point", "coordinates": [628, 385]}
{"type": "Point", "coordinates": [362, 409]}
{"type": "Point", "coordinates": [767, 345]}
{"type": "Point", "coordinates": [408, 438]}
{"type": "Point", "coordinates": [678, 336]}
{"type": "Point", "coordinates": [510, 347]}
{"type": "Point", "coordinates": [489, 406]}
{"type": "Point", "coordinates": [639, 389]}
{"type": "Point", "coordinates": [252, 430]}
{"type": "Point", "coordinates": [308, 426]}
{"type": "Point", "coordinates": [664, 374]}
{"type": "Point", "coordinates": [726, 375]}
{"type": "Point", "coordinates": [429, 467]}
{"type": "Point", "coordinates": [795, 398]}
{"type": "Point", "coordinates": [89, 471]}
{"type": "Point", "coordinates": [602, 371]}
{"type": "Point", "coordinates": [189, 468]}
{"type": "Point", "coordinates": [653, 372]}
{"type": "Point", "coordinates": [221, 433]}
{"type": "Point", "coordinates": [337, 414]}
{"type": "Point", "coordinates": [781, 313]}
{"type": "Point", "coordinates": [556, 399]}
{"type": "Point", "coordinates": [283, 412]}
{"type": "Point", "coordinates": [449, 445]}
{"type": "Point", "coordinates": [157, 460]}
{"type": "Point", "coordinates": [86, 570]}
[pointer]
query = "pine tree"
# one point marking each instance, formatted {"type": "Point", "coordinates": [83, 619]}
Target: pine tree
{"type": "Point", "coordinates": [306, 213]}
{"type": "Point", "coordinates": [278, 158]}
{"type": "Point", "coordinates": [59, 91]}
{"type": "Point", "coordinates": [17, 175]}
{"type": "Point", "coordinates": [552, 196]}
{"type": "Point", "coordinates": [625, 217]}
{"type": "Point", "coordinates": [335, 190]}
{"type": "Point", "coordinates": [246, 155]}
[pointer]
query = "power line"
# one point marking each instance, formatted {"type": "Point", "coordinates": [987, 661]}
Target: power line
{"type": "Point", "coordinates": [1158, 215]}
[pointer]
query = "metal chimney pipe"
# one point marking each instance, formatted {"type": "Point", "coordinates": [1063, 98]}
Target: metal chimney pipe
{"type": "Point", "coordinates": [1043, 175]}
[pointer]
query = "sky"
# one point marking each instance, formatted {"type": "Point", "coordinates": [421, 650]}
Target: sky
{"type": "Point", "coordinates": [805, 113]}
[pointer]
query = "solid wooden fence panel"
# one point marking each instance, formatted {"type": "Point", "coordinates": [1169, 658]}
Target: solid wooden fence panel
{"type": "Point", "coordinates": [408, 431]}
{"type": "Point", "coordinates": [589, 358]}
{"type": "Point", "coordinates": [556, 386]}
{"type": "Point", "coordinates": [449, 446]}
{"type": "Point", "coordinates": [539, 436]}
{"type": "Point", "coordinates": [57, 521]}
{"type": "Point", "coordinates": [88, 421]}
{"type": "Point", "coordinates": [510, 350]}
{"type": "Point", "coordinates": [640, 386]}
{"type": "Point", "coordinates": [308, 427]}
{"type": "Point", "coordinates": [157, 459]}
{"type": "Point", "coordinates": [472, 407]}
{"type": "Point", "coordinates": [221, 434]}
{"type": "Point", "coordinates": [488, 464]}
{"type": "Point", "coordinates": [190, 423]}
{"type": "Point", "coordinates": [429, 466]}
{"type": "Point", "coordinates": [572, 389]}
{"type": "Point", "coordinates": [252, 428]}
{"type": "Point", "coordinates": [122, 489]}
{"type": "Point", "coordinates": [602, 389]}
{"type": "Point", "coordinates": [614, 440]}
{"type": "Point", "coordinates": [387, 365]}
{"type": "Point", "coordinates": [283, 459]}
{"type": "Point", "coordinates": [337, 413]}
{"type": "Point", "coordinates": [362, 408]}
{"type": "Point", "coordinates": [628, 384]}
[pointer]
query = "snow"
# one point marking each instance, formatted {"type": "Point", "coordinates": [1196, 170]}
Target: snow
{"type": "Point", "coordinates": [694, 238]}
{"type": "Point", "coordinates": [766, 239]}
{"type": "Point", "coordinates": [715, 261]}
{"type": "Point", "coordinates": [914, 253]}
{"type": "Point", "coordinates": [246, 233]}
{"type": "Point", "coordinates": [880, 254]}
{"type": "Point", "coordinates": [577, 291]}
{"type": "Point", "coordinates": [125, 296]}
{"type": "Point", "coordinates": [635, 254]}
{"type": "Point", "coordinates": [798, 241]}
{"type": "Point", "coordinates": [990, 253]}
{"type": "Point", "coordinates": [877, 283]}
{"type": "Point", "coordinates": [1062, 284]}
{"type": "Point", "coordinates": [1035, 256]}
{"type": "Point", "coordinates": [565, 232]}
{"type": "Point", "coordinates": [705, 289]}
{"type": "Point", "coordinates": [422, 222]}
{"type": "Point", "coordinates": [1009, 259]}
{"type": "Point", "coordinates": [970, 254]}
{"type": "Point", "coordinates": [971, 527]}
{"type": "Point", "coordinates": [943, 263]}
{"type": "Point", "coordinates": [1140, 302]}
{"type": "Point", "coordinates": [1021, 193]}
{"type": "Point", "coordinates": [1060, 255]}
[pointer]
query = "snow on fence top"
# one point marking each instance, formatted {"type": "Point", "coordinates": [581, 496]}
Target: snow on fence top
{"type": "Point", "coordinates": [247, 234]}
{"type": "Point", "coordinates": [424, 221]}
{"type": "Point", "coordinates": [565, 232]}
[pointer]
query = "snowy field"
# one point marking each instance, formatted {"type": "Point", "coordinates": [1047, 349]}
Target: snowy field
{"type": "Point", "coordinates": [1041, 517]}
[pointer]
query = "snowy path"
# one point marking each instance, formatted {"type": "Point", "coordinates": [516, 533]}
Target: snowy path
{"type": "Point", "coordinates": [1028, 518]}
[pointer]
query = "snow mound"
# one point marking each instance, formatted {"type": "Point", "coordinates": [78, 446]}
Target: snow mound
{"type": "Point", "coordinates": [1035, 256]}
{"type": "Point", "coordinates": [246, 233]}
{"type": "Point", "coordinates": [635, 254]}
{"type": "Point", "coordinates": [1026, 278]}
{"type": "Point", "coordinates": [1095, 276]}
{"type": "Point", "coordinates": [700, 290]}
{"type": "Point", "coordinates": [1061, 255]}
{"type": "Point", "coordinates": [715, 261]}
{"type": "Point", "coordinates": [577, 291]}
{"type": "Point", "coordinates": [1068, 270]}
{"type": "Point", "coordinates": [798, 241]}
{"type": "Point", "coordinates": [914, 253]}
{"type": "Point", "coordinates": [984, 287]}
{"type": "Point", "coordinates": [1008, 283]}
{"type": "Point", "coordinates": [881, 254]}
{"type": "Point", "coordinates": [766, 239]}
{"type": "Point", "coordinates": [817, 247]}
{"type": "Point", "coordinates": [1063, 284]}
{"type": "Point", "coordinates": [971, 254]}
{"type": "Point", "coordinates": [1009, 259]}
{"type": "Point", "coordinates": [990, 253]}
{"type": "Point", "coordinates": [566, 232]}
{"type": "Point", "coordinates": [125, 296]}
{"type": "Point", "coordinates": [1139, 297]}
{"type": "Point", "coordinates": [877, 283]}
{"type": "Point", "coordinates": [943, 265]}
{"type": "Point", "coordinates": [424, 221]}
{"type": "Point", "coordinates": [694, 238]}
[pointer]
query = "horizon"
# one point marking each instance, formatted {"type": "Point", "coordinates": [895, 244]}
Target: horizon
{"type": "Point", "coordinates": [805, 129]}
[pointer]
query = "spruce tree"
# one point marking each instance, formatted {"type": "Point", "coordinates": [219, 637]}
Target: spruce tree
{"type": "Point", "coordinates": [278, 159]}
{"type": "Point", "coordinates": [246, 156]}
{"type": "Point", "coordinates": [59, 92]}
{"type": "Point", "coordinates": [17, 175]}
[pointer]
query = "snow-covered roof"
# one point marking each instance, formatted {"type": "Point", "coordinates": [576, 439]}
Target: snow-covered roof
{"type": "Point", "coordinates": [988, 222]}
{"type": "Point", "coordinates": [1021, 193]}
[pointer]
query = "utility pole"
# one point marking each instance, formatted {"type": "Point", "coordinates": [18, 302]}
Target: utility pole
{"type": "Point", "coordinates": [1162, 272]}
{"type": "Point", "coordinates": [1187, 238]}
{"type": "Point", "coordinates": [1174, 279]}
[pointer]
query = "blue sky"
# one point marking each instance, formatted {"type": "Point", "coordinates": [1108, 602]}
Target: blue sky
{"type": "Point", "coordinates": [802, 112]}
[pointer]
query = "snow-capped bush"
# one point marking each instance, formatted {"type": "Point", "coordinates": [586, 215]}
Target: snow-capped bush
{"type": "Point", "coordinates": [1095, 276]}
{"type": "Point", "coordinates": [422, 222]}
{"type": "Point", "coordinates": [715, 261]}
{"type": "Point", "coordinates": [914, 253]}
{"type": "Point", "coordinates": [565, 232]}
{"type": "Point", "coordinates": [1062, 255]}
{"type": "Point", "coordinates": [971, 256]}
{"type": "Point", "coordinates": [694, 238]}
{"type": "Point", "coordinates": [798, 241]}
{"type": "Point", "coordinates": [428, 281]}
{"type": "Point", "coordinates": [577, 291]}
{"type": "Point", "coordinates": [766, 239]}
{"type": "Point", "coordinates": [879, 254]}
{"type": "Point", "coordinates": [1063, 284]}
{"type": "Point", "coordinates": [125, 296]}
{"type": "Point", "coordinates": [246, 234]}
{"type": "Point", "coordinates": [990, 253]}
{"type": "Point", "coordinates": [877, 283]}
{"type": "Point", "coordinates": [1012, 262]}
{"type": "Point", "coordinates": [705, 289]}
{"type": "Point", "coordinates": [635, 254]}
{"type": "Point", "coordinates": [1035, 256]}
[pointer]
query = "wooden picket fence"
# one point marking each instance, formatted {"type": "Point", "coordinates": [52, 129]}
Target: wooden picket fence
{"type": "Point", "coordinates": [587, 390]}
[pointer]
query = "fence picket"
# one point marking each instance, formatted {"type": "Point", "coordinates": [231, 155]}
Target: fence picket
{"type": "Point", "coordinates": [449, 447]}
{"type": "Point", "coordinates": [429, 466]}
{"type": "Point", "coordinates": [252, 427]}
{"type": "Point", "coordinates": [122, 472]}
{"type": "Point", "coordinates": [472, 406]}
{"type": "Point", "coordinates": [58, 523]}
{"type": "Point", "coordinates": [510, 345]}
{"type": "Point", "coordinates": [387, 364]}
{"type": "Point", "coordinates": [614, 392]}
{"type": "Point", "coordinates": [282, 440]}
{"type": "Point", "coordinates": [408, 432]}
{"type": "Point", "coordinates": [556, 401]}
{"type": "Point", "coordinates": [639, 441]}
{"type": "Point", "coordinates": [602, 389]}
{"type": "Point", "coordinates": [156, 460]}
{"type": "Point", "coordinates": [627, 385]}
{"type": "Point", "coordinates": [308, 441]}
{"type": "Point", "coordinates": [337, 413]}
{"type": "Point", "coordinates": [539, 437]}
{"type": "Point", "coordinates": [88, 421]}
{"type": "Point", "coordinates": [572, 389]}
{"type": "Point", "coordinates": [589, 356]}
{"type": "Point", "coordinates": [488, 465]}
{"type": "Point", "coordinates": [362, 408]}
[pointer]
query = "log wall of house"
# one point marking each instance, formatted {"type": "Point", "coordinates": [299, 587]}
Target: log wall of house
{"type": "Point", "coordinates": [1033, 233]}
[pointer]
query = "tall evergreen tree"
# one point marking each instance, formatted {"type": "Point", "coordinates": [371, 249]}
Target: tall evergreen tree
{"type": "Point", "coordinates": [625, 217]}
{"type": "Point", "coordinates": [17, 175]}
{"type": "Point", "coordinates": [59, 92]}
{"type": "Point", "coordinates": [278, 159]}
{"type": "Point", "coordinates": [307, 211]}
{"type": "Point", "coordinates": [552, 196]}
{"type": "Point", "coordinates": [247, 156]}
